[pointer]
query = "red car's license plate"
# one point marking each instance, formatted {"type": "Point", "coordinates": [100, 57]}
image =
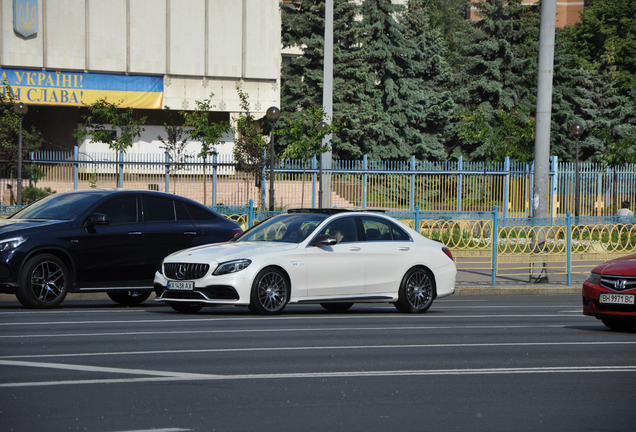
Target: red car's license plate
{"type": "Point", "coordinates": [616, 299]}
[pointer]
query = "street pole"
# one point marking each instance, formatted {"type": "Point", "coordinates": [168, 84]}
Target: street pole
{"type": "Point", "coordinates": [320, 126]}
{"type": "Point", "coordinates": [20, 109]}
{"type": "Point", "coordinates": [577, 130]}
{"type": "Point", "coordinates": [538, 269]}
{"type": "Point", "coordinates": [272, 115]}
{"type": "Point", "coordinates": [327, 98]}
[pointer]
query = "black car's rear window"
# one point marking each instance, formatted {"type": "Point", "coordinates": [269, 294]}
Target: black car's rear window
{"type": "Point", "coordinates": [58, 206]}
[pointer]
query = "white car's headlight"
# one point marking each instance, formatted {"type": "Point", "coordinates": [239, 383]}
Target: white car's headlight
{"type": "Point", "coordinates": [594, 278]}
{"type": "Point", "coordinates": [11, 243]}
{"type": "Point", "coordinates": [231, 267]}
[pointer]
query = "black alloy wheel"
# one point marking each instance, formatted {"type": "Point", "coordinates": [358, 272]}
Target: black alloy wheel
{"type": "Point", "coordinates": [270, 292]}
{"type": "Point", "coordinates": [417, 291]}
{"type": "Point", "coordinates": [44, 282]}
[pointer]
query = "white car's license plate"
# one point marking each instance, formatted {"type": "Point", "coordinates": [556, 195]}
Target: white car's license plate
{"type": "Point", "coordinates": [616, 298]}
{"type": "Point", "coordinates": [186, 285]}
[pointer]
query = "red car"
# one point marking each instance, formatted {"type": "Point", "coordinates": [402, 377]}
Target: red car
{"type": "Point", "coordinates": [609, 293]}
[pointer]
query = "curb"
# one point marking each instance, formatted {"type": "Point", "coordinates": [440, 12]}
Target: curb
{"type": "Point", "coordinates": [460, 290]}
{"type": "Point", "coordinates": [529, 289]}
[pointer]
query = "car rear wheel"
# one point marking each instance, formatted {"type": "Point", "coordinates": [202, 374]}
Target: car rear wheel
{"type": "Point", "coordinates": [187, 308]}
{"type": "Point", "coordinates": [128, 298]}
{"type": "Point", "coordinates": [618, 324]}
{"type": "Point", "coordinates": [270, 292]}
{"type": "Point", "coordinates": [417, 291]}
{"type": "Point", "coordinates": [44, 282]}
{"type": "Point", "coordinates": [336, 307]}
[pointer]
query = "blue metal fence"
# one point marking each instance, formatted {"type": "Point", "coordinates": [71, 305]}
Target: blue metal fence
{"type": "Point", "coordinates": [459, 185]}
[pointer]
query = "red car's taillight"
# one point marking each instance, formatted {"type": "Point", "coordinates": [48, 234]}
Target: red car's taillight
{"type": "Point", "coordinates": [448, 253]}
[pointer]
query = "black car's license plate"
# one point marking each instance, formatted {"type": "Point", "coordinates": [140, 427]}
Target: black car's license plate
{"type": "Point", "coordinates": [181, 285]}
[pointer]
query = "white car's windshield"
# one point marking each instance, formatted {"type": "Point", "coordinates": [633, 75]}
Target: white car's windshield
{"type": "Point", "coordinates": [290, 228]}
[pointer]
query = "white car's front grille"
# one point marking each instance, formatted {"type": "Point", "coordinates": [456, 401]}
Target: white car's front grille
{"type": "Point", "coordinates": [185, 271]}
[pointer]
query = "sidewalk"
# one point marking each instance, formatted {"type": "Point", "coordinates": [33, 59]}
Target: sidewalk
{"type": "Point", "coordinates": [470, 282]}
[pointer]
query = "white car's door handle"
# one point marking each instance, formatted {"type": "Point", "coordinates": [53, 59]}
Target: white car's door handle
{"type": "Point", "coordinates": [354, 249]}
{"type": "Point", "coordinates": [405, 249]}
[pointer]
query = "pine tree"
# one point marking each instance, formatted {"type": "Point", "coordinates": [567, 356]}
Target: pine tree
{"type": "Point", "coordinates": [606, 27]}
{"type": "Point", "coordinates": [497, 65]}
{"type": "Point", "coordinates": [302, 80]}
{"type": "Point", "coordinates": [406, 60]}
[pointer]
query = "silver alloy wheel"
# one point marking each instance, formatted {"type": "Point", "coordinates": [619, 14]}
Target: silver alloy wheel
{"type": "Point", "coordinates": [47, 282]}
{"type": "Point", "coordinates": [419, 290]}
{"type": "Point", "coordinates": [271, 289]}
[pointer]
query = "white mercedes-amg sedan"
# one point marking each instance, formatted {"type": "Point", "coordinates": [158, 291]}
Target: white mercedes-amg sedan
{"type": "Point", "coordinates": [331, 257]}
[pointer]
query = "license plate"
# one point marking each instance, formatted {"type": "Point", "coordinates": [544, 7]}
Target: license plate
{"type": "Point", "coordinates": [616, 299]}
{"type": "Point", "coordinates": [186, 285]}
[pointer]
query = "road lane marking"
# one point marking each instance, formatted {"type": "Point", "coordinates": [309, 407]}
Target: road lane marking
{"type": "Point", "coordinates": [333, 347]}
{"type": "Point", "coordinates": [316, 317]}
{"type": "Point", "coordinates": [274, 330]}
{"type": "Point", "coordinates": [164, 376]}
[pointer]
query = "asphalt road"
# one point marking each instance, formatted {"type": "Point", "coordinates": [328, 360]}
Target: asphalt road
{"type": "Point", "coordinates": [472, 363]}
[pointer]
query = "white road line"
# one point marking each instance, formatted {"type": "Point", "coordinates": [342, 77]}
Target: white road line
{"type": "Point", "coordinates": [273, 330]}
{"type": "Point", "coordinates": [160, 430]}
{"type": "Point", "coordinates": [178, 376]}
{"type": "Point", "coordinates": [310, 348]}
{"type": "Point", "coordinates": [316, 317]}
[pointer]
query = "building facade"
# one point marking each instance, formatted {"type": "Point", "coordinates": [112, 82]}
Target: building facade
{"type": "Point", "coordinates": [148, 54]}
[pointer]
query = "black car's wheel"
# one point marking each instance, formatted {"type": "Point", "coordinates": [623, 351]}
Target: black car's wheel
{"type": "Point", "coordinates": [187, 308]}
{"type": "Point", "coordinates": [336, 307]}
{"type": "Point", "coordinates": [44, 282]}
{"type": "Point", "coordinates": [129, 298]}
{"type": "Point", "coordinates": [417, 291]}
{"type": "Point", "coordinates": [618, 324]}
{"type": "Point", "coordinates": [270, 292]}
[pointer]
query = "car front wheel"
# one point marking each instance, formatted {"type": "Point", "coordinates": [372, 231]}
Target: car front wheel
{"type": "Point", "coordinates": [128, 298]}
{"type": "Point", "coordinates": [270, 292]}
{"type": "Point", "coordinates": [44, 282]}
{"type": "Point", "coordinates": [618, 324]}
{"type": "Point", "coordinates": [416, 291]}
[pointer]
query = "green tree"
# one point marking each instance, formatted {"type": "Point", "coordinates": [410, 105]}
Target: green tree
{"type": "Point", "coordinates": [104, 120]}
{"type": "Point", "coordinates": [302, 80]}
{"type": "Point", "coordinates": [608, 115]}
{"type": "Point", "coordinates": [497, 64]}
{"type": "Point", "coordinates": [448, 17]}
{"type": "Point", "coordinates": [507, 134]}
{"type": "Point", "coordinates": [250, 145]}
{"type": "Point", "coordinates": [9, 133]}
{"type": "Point", "coordinates": [306, 137]}
{"type": "Point", "coordinates": [201, 127]}
{"type": "Point", "coordinates": [405, 59]}
{"type": "Point", "coordinates": [607, 26]}
{"type": "Point", "coordinates": [175, 144]}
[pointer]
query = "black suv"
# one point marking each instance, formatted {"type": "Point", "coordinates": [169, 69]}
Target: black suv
{"type": "Point", "coordinates": [108, 240]}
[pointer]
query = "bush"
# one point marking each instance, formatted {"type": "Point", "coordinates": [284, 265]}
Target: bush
{"type": "Point", "coordinates": [31, 194]}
